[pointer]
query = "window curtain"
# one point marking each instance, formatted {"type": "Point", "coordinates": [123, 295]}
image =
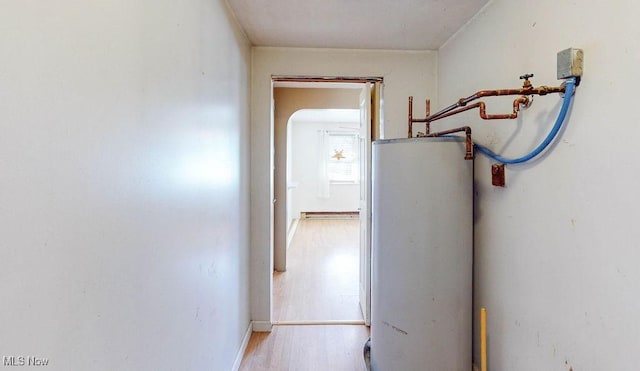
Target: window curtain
{"type": "Point", "coordinates": [323, 172]}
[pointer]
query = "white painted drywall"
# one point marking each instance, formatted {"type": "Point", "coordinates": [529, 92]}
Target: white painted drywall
{"type": "Point", "coordinates": [124, 191]}
{"type": "Point", "coordinates": [306, 150]}
{"type": "Point", "coordinates": [557, 249]}
{"type": "Point", "coordinates": [405, 73]}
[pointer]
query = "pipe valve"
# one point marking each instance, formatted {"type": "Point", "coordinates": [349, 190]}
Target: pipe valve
{"type": "Point", "coordinates": [526, 84]}
{"type": "Point", "coordinates": [526, 76]}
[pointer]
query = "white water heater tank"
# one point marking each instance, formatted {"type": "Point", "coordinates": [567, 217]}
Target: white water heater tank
{"type": "Point", "coordinates": [422, 254]}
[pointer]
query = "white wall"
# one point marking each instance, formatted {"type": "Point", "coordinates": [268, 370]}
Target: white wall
{"type": "Point", "coordinates": [306, 149]}
{"type": "Point", "coordinates": [405, 73]}
{"type": "Point", "coordinates": [557, 249]}
{"type": "Point", "coordinates": [124, 194]}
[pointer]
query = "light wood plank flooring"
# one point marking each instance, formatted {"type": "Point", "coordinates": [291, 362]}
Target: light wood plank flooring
{"type": "Point", "coordinates": [321, 283]}
{"type": "Point", "coordinates": [307, 348]}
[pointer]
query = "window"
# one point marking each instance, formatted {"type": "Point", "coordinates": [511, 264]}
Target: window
{"type": "Point", "coordinates": [343, 157]}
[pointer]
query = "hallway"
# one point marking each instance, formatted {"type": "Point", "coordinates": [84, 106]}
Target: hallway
{"type": "Point", "coordinates": [320, 284]}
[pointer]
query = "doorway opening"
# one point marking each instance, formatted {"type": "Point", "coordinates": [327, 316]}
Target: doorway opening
{"type": "Point", "coordinates": [309, 118]}
{"type": "Point", "coordinates": [322, 165]}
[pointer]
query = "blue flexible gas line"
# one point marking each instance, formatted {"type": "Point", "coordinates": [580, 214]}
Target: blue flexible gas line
{"type": "Point", "coordinates": [568, 95]}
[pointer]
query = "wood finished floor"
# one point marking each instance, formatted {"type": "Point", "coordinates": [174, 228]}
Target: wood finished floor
{"type": "Point", "coordinates": [321, 283]}
{"type": "Point", "coordinates": [307, 348]}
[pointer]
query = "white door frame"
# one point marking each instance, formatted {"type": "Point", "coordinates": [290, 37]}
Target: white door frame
{"type": "Point", "coordinates": [375, 81]}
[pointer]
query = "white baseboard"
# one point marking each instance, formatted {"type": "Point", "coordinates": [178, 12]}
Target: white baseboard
{"type": "Point", "coordinates": [262, 326]}
{"type": "Point", "coordinates": [316, 323]}
{"type": "Point", "coordinates": [243, 347]}
{"type": "Point", "coordinates": [329, 215]}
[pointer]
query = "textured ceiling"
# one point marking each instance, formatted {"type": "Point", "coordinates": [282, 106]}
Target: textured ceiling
{"type": "Point", "coordinates": [353, 24]}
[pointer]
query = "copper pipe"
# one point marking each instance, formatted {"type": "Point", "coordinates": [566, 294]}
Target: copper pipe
{"type": "Point", "coordinates": [523, 100]}
{"type": "Point", "coordinates": [428, 111]}
{"type": "Point", "coordinates": [412, 120]}
{"type": "Point", "coordinates": [468, 142]}
{"type": "Point", "coordinates": [410, 117]}
{"type": "Point", "coordinates": [542, 90]}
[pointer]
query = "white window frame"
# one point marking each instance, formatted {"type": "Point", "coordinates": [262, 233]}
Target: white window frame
{"type": "Point", "coordinates": [352, 156]}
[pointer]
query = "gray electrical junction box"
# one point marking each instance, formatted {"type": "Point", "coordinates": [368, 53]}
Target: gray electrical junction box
{"type": "Point", "coordinates": [570, 63]}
